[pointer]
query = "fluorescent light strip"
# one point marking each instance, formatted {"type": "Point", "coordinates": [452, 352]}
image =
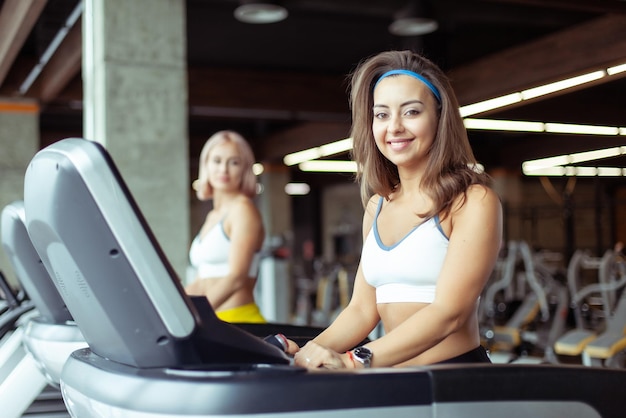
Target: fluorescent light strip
{"type": "Point", "coordinates": [562, 85]}
{"type": "Point", "coordinates": [616, 70]}
{"type": "Point", "coordinates": [490, 104]}
{"type": "Point", "coordinates": [568, 128]}
{"type": "Point", "coordinates": [503, 125]}
{"type": "Point", "coordinates": [529, 126]}
{"type": "Point", "coordinates": [333, 166]}
{"type": "Point", "coordinates": [579, 171]}
{"type": "Point", "coordinates": [532, 93]}
{"type": "Point", "coordinates": [318, 152]}
{"type": "Point", "coordinates": [532, 167]}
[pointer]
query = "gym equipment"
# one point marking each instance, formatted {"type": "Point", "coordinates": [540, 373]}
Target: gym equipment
{"type": "Point", "coordinates": [50, 336]}
{"type": "Point", "coordinates": [13, 308]}
{"type": "Point", "coordinates": [20, 380]}
{"type": "Point", "coordinates": [609, 319]}
{"type": "Point", "coordinates": [153, 351]}
{"type": "Point", "coordinates": [535, 287]}
{"type": "Point", "coordinates": [609, 348]}
{"type": "Point", "coordinates": [333, 293]}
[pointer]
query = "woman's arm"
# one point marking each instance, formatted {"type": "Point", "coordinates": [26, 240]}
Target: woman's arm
{"type": "Point", "coordinates": [475, 237]}
{"type": "Point", "coordinates": [244, 228]}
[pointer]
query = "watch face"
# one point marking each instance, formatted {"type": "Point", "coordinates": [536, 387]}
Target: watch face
{"type": "Point", "coordinates": [364, 355]}
{"type": "Point", "coordinates": [362, 352]}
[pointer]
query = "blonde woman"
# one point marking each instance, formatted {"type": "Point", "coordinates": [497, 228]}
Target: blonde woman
{"type": "Point", "coordinates": [226, 251]}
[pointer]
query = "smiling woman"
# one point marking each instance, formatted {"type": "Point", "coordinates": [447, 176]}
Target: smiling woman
{"type": "Point", "coordinates": [431, 230]}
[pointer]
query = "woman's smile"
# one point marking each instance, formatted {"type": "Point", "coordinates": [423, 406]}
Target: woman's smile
{"type": "Point", "coordinates": [399, 144]}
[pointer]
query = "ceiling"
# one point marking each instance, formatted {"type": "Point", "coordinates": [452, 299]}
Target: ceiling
{"type": "Point", "coordinates": [283, 85]}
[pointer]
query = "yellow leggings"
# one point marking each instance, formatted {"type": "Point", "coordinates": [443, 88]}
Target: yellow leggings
{"type": "Point", "coordinates": [249, 314]}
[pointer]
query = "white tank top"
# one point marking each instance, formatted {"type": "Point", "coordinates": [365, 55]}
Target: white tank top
{"type": "Point", "coordinates": [209, 255]}
{"type": "Point", "coordinates": [406, 271]}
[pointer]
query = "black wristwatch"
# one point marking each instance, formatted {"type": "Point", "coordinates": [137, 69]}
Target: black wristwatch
{"type": "Point", "coordinates": [363, 355]}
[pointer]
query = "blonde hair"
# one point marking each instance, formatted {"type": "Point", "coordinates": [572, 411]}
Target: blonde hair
{"type": "Point", "coordinates": [204, 191]}
{"type": "Point", "coordinates": [451, 164]}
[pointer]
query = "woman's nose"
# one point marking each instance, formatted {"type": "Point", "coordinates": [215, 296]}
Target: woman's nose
{"type": "Point", "coordinates": [395, 124]}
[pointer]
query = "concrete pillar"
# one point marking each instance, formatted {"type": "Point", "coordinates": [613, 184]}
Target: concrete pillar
{"type": "Point", "coordinates": [135, 104]}
{"type": "Point", "coordinates": [19, 141]}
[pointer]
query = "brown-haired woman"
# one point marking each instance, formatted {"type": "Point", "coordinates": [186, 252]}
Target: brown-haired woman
{"type": "Point", "coordinates": [431, 230]}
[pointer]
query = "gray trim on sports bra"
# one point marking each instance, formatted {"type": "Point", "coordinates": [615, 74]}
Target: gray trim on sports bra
{"type": "Point", "coordinates": [391, 247]}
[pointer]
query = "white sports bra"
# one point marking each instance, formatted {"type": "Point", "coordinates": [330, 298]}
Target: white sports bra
{"type": "Point", "coordinates": [406, 271]}
{"type": "Point", "coordinates": [209, 255]}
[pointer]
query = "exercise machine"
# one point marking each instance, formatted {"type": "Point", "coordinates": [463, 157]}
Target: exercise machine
{"type": "Point", "coordinates": [599, 316]}
{"type": "Point", "coordinates": [48, 335]}
{"type": "Point", "coordinates": [537, 302]}
{"type": "Point", "coordinates": [51, 335]}
{"type": "Point", "coordinates": [20, 380]}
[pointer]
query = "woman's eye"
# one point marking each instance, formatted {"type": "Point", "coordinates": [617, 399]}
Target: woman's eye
{"type": "Point", "coordinates": [412, 112]}
{"type": "Point", "coordinates": [380, 115]}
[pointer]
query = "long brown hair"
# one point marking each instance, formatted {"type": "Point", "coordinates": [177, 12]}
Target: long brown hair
{"type": "Point", "coordinates": [451, 166]}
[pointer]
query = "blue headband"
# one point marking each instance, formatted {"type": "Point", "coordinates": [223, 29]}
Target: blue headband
{"type": "Point", "coordinates": [413, 74]}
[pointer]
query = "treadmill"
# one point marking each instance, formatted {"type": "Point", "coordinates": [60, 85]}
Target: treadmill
{"type": "Point", "coordinates": [50, 335]}
{"type": "Point", "coordinates": [24, 388]}
{"type": "Point", "coordinates": [153, 351]}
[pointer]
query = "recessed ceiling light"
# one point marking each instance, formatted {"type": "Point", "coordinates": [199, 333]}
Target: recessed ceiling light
{"type": "Point", "coordinates": [260, 13]}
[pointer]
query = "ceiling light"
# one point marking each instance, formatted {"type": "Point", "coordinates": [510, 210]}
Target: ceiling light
{"type": "Point", "coordinates": [331, 166]}
{"type": "Point", "coordinates": [297, 189]}
{"type": "Point", "coordinates": [258, 169]}
{"type": "Point", "coordinates": [562, 85]}
{"type": "Point", "coordinates": [326, 150]}
{"type": "Point", "coordinates": [572, 171]}
{"type": "Point", "coordinates": [503, 125]}
{"type": "Point", "coordinates": [413, 26]}
{"type": "Point", "coordinates": [617, 69]}
{"type": "Point", "coordinates": [260, 13]}
{"type": "Point", "coordinates": [550, 127]}
{"type": "Point", "coordinates": [532, 93]}
{"type": "Point", "coordinates": [568, 128]}
{"type": "Point", "coordinates": [490, 104]}
{"type": "Point", "coordinates": [413, 20]}
{"type": "Point", "coordinates": [560, 165]}
{"type": "Point", "coordinates": [567, 159]}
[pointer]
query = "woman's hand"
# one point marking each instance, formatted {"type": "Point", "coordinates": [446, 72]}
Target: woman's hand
{"type": "Point", "coordinates": [313, 356]}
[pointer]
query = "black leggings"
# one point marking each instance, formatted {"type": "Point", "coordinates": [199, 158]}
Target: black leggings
{"type": "Point", "coordinates": [477, 355]}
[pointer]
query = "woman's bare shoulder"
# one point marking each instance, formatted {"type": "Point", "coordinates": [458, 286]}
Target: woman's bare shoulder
{"type": "Point", "coordinates": [479, 202]}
